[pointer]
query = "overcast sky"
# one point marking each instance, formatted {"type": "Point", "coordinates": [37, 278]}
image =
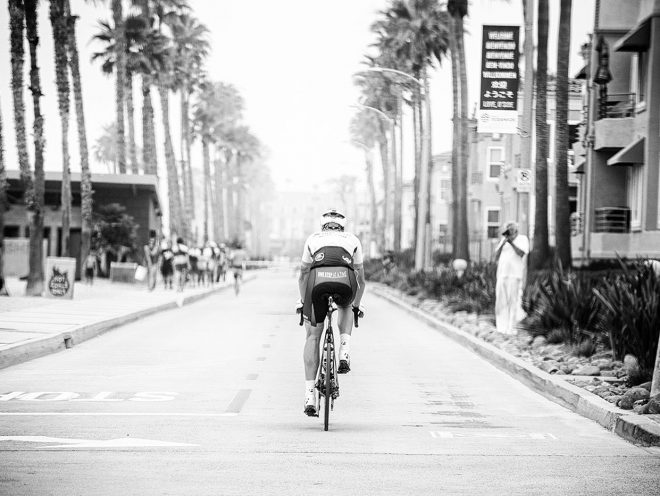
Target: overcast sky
{"type": "Point", "coordinates": [292, 60]}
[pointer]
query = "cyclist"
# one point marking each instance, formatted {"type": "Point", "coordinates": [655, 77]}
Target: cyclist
{"type": "Point", "coordinates": [326, 256]}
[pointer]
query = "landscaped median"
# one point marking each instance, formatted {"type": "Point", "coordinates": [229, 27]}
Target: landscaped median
{"type": "Point", "coordinates": [477, 333]}
{"type": "Point", "coordinates": [50, 326]}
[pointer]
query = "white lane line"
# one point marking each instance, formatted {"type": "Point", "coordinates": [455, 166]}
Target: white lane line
{"type": "Point", "coordinates": [540, 436]}
{"type": "Point", "coordinates": [115, 414]}
{"type": "Point", "coordinates": [122, 442]}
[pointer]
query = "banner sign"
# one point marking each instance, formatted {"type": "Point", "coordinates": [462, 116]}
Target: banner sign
{"type": "Point", "coordinates": [498, 101]}
{"type": "Point", "coordinates": [60, 276]}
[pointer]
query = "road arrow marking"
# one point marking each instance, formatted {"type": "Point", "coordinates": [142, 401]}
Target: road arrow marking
{"type": "Point", "coordinates": [122, 442]}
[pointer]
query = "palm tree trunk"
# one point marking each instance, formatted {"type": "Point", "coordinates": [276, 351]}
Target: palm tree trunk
{"type": "Point", "coordinates": [562, 210]}
{"type": "Point", "coordinates": [149, 159]}
{"type": "Point", "coordinates": [86, 192]}
{"type": "Point", "coordinates": [240, 204]}
{"type": "Point", "coordinates": [398, 180]}
{"type": "Point", "coordinates": [185, 129]}
{"type": "Point", "coordinates": [541, 249]}
{"type": "Point", "coordinates": [463, 248]}
{"type": "Point", "coordinates": [456, 165]}
{"type": "Point", "coordinates": [219, 208]}
{"type": "Point", "coordinates": [372, 201]}
{"type": "Point", "coordinates": [58, 23]}
{"type": "Point", "coordinates": [130, 110]}
{"type": "Point", "coordinates": [417, 143]}
{"type": "Point", "coordinates": [528, 108]}
{"type": "Point", "coordinates": [207, 183]}
{"type": "Point", "coordinates": [35, 282]}
{"type": "Point", "coordinates": [3, 208]}
{"type": "Point", "coordinates": [386, 165]}
{"type": "Point", "coordinates": [176, 221]}
{"type": "Point", "coordinates": [17, 28]}
{"type": "Point", "coordinates": [120, 69]}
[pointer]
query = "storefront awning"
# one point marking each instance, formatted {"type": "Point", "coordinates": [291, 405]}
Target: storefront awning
{"type": "Point", "coordinates": [635, 40]}
{"type": "Point", "coordinates": [631, 154]}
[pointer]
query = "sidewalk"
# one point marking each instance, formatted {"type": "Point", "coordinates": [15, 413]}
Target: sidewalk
{"type": "Point", "coordinates": [641, 429]}
{"type": "Point", "coordinates": [31, 327]}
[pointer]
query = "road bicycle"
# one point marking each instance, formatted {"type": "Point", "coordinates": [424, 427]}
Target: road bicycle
{"type": "Point", "coordinates": [327, 382]}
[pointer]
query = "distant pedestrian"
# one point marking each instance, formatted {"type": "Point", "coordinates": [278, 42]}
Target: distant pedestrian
{"type": "Point", "coordinates": [181, 263]}
{"type": "Point", "coordinates": [151, 258]}
{"type": "Point", "coordinates": [511, 256]}
{"type": "Point", "coordinates": [91, 266]}
{"type": "Point", "coordinates": [166, 263]}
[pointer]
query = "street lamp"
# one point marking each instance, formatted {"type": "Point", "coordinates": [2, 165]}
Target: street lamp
{"type": "Point", "coordinates": [422, 257]}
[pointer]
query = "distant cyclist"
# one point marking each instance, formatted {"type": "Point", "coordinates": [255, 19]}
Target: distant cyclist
{"type": "Point", "coordinates": [324, 250]}
{"type": "Point", "coordinates": [237, 263]}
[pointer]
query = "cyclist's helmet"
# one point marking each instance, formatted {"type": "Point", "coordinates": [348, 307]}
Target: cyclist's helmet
{"type": "Point", "coordinates": [334, 220]}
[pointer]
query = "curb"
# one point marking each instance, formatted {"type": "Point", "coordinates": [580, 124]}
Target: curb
{"type": "Point", "coordinates": [39, 347]}
{"type": "Point", "coordinates": [635, 428]}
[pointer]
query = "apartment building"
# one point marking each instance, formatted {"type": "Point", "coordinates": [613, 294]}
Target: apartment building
{"type": "Point", "coordinates": [501, 188]}
{"type": "Point", "coordinates": [619, 212]}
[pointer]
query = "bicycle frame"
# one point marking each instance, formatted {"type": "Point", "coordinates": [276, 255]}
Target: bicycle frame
{"type": "Point", "coordinates": [327, 384]}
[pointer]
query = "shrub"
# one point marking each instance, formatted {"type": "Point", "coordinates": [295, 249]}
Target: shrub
{"type": "Point", "coordinates": [563, 300]}
{"type": "Point", "coordinates": [631, 317]}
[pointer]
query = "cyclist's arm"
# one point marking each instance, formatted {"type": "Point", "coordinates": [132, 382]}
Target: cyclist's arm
{"type": "Point", "coordinates": [302, 279]}
{"type": "Point", "coordinates": [359, 275]}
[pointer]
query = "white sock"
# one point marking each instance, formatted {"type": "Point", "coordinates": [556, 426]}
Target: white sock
{"type": "Point", "coordinates": [309, 386]}
{"type": "Point", "coordinates": [345, 341]}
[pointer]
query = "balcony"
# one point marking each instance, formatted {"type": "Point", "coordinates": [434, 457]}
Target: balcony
{"type": "Point", "coordinates": [617, 106]}
{"type": "Point", "coordinates": [612, 220]}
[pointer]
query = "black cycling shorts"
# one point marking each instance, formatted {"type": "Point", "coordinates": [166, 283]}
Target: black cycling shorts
{"type": "Point", "coordinates": [336, 281]}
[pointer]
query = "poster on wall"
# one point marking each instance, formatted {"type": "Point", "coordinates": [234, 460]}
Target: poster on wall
{"type": "Point", "coordinates": [498, 100]}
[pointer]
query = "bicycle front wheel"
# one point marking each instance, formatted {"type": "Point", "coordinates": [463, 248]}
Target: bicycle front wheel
{"type": "Point", "coordinates": [328, 386]}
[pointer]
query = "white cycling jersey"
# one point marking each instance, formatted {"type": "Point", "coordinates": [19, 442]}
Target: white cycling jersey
{"type": "Point", "coordinates": [346, 240]}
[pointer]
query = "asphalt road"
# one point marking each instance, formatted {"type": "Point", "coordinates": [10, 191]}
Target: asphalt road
{"type": "Point", "coordinates": [208, 399]}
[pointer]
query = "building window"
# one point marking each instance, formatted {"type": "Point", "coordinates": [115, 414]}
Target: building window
{"type": "Point", "coordinates": [635, 195]}
{"type": "Point", "coordinates": [495, 155]}
{"type": "Point", "coordinates": [493, 222]}
{"type": "Point", "coordinates": [445, 187]}
{"type": "Point", "coordinates": [638, 77]}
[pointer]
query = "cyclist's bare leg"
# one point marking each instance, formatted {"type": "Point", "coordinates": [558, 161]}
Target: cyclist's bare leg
{"type": "Point", "coordinates": [311, 351]}
{"type": "Point", "coordinates": [345, 320]}
{"type": "Point", "coordinates": [345, 324]}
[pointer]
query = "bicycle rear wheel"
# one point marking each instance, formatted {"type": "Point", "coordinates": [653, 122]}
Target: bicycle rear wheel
{"type": "Point", "coordinates": [328, 386]}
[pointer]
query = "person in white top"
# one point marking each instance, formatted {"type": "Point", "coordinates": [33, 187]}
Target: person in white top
{"type": "Point", "coordinates": [511, 256]}
{"type": "Point", "coordinates": [330, 247]}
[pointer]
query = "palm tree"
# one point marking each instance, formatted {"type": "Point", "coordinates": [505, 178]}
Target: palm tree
{"type": "Point", "coordinates": [205, 119]}
{"type": "Point", "coordinates": [246, 148]}
{"type": "Point", "coordinates": [191, 47]}
{"type": "Point", "coordinates": [35, 192]}
{"type": "Point", "coordinates": [120, 84]}
{"type": "Point", "coordinates": [364, 130]}
{"type": "Point", "coordinates": [458, 9]}
{"type": "Point", "coordinates": [415, 35]}
{"type": "Point", "coordinates": [562, 211]}
{"type": "Point", "coordinates": [541, 250]}
{"type": "Point", "coordinates": [3, 208]}
{"type": "Point", "coordinates": [60, 40]}
{"type": "Point", "coordinates": [86, 191]}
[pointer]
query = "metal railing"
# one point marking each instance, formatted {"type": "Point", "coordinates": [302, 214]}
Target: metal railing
{"type": "Point", "coordinates": [617, 106]}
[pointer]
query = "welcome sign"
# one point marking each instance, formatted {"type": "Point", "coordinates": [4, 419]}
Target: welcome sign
{"type": "Point", "coordinates": [498, 100]}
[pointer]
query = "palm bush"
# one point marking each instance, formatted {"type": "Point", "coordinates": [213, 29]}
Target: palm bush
{"type": "Point", "coordinates": [562, 300]}
{"type": "Point", "coordinates": [631, 316]}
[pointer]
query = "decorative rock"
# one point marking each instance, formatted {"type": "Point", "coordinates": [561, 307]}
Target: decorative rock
{"type": "Point", "coordinates": [608, 373]}
{"type": "Point", "coordinates": [626, 403]}
{"type": "Point", "coordinates": [566, 368]}
{"type": "Point", "coordinates": [637, 393]}
{"type": "Point", "coordinates": [539, 341]}
{"type": "Point", "coordinates": [614, 398]}
{"type": "Point", "coordinates": [653, 406]}
{"type": "Point", "coordinates": [602, 363]}
{"type": "Point", "coordinates": [646, 385]}
{"type": "Point", "coordinates": [549, 367]}
{"type": "Point", "coordinates": [630, 362]}
{"type": "Point", "coordinates": [587, 370]}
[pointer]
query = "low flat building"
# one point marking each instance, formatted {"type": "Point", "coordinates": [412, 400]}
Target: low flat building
{"type": "Point", "coordinates": [137, 193]}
